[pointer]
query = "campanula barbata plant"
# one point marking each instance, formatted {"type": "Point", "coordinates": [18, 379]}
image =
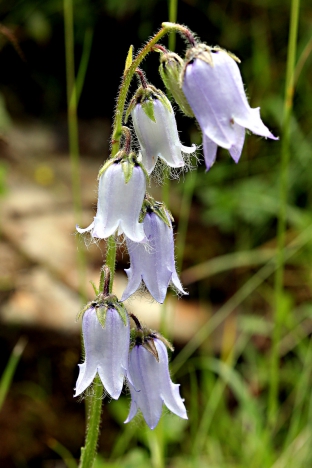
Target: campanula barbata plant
{"type": "Point", "coordinates": [205, 84]}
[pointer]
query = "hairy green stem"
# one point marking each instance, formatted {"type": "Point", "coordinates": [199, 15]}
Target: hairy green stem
{"type": "Point", "coordinates": [88, 452]}
{"type": "Point", "coordinates": [111, 260]}
{"type": "Point", "coordinates": [280, 258]}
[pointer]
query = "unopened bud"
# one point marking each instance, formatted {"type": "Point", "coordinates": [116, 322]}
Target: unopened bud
{"type": "Point", "coordinates": [170, 69]}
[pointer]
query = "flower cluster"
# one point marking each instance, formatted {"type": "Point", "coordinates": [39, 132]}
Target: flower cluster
{"type": "Point", "coordinates": [207, 85]}
{"type": "Point", "coordinates": [142, 360]}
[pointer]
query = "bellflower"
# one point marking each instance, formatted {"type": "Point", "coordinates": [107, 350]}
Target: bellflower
{"type": "Point", "coordinates": [106, 351]}
{"type": "Point", "coordinates": [120, 196]}
{"type": "Point", "coordinates": [150, 384]}
{"type": "Point", "coordinates": [153, 263]}
{"type": "Point", "coordinates": [213, 86]}
{"type": "Point", "coordinates": [156, 129]}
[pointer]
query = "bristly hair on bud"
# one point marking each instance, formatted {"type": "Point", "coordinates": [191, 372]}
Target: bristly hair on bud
{"type": "Point", "coordinates": [170, 70]}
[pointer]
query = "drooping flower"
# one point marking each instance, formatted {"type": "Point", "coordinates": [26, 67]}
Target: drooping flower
{"type": "Point", "coordinates": [150, 384]}
{"type": "Point", "coordinates": [154, 262]}
{"type": "Point", "coordinates": [213, 86]}
{"type": "Point", "coordinates": [121, 192]}
{"type": "Point", "coordinates": [106, 348]}
{"type": "Point", "coordinates": [156, 129]}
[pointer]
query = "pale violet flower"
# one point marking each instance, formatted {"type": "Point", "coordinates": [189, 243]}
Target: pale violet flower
{"type": "Point", "coordinates": [153, 262]}
{"type": "Point", "coordinates": [156, 129]}
{"type": "Point", "coordinates": [213, 86]}
{"type": "Point", "coordinates": [150, 384]}
{"type": "Point", "coordinates": [119, 203]}
{"type": "Point", "coordinates": [106, 351]}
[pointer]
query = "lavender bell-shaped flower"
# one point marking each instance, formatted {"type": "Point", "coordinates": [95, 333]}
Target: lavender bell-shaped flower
{"type": "Point", "coordinates": [212, 84]}
{"type": "Point", "coordinates": [106, 348]}
{"type": "Point", "coordinates": [154, 262]}
{"type": "Point", "coordinates": [122, 186]}
{"type": "Point", "coordinates": [155, 126]}
{"type": "Point", "coordinates": [150, 384]}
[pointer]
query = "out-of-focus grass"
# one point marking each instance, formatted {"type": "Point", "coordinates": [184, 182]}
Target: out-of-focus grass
{"type": "Point", "coordinates": [8, 373]}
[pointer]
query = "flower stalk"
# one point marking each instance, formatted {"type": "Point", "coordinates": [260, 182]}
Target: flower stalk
{"type": "Point", "coordinates": [129, 73]}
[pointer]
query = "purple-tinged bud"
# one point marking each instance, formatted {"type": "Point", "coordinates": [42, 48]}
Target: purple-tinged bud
{"type": "Point", "coordinates": [122, 186]}
{"type": "Point", "coordinates": [155, 126]}
{"type": "Point", "coordinates": [150, 384]}
{"type": "Point", "coordinates": [106, 347]}
{"type": "Point", "coordinates": [213, 86]}
{"type": "Point", "coordinates": [153, 262]}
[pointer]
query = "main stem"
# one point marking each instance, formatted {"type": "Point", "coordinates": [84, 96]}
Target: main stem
{"type": "Point", "coordinates": [279, 275]}
{"type": "Point", "coordinates": [88, 453]}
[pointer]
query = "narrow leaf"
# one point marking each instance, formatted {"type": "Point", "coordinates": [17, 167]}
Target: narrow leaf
{"type": "Point", "coordinates": [129, 59]}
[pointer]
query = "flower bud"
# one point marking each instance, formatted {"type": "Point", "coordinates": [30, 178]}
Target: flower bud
{"type": "Point", "coordinates": [170, 69]}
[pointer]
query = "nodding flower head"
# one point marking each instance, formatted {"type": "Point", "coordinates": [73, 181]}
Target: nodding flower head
{"type": "Point", "coordinates": [149, 381]}
{"type": "Point", "coordinates": [122, 185]}
{"type": "Point", "coordinates": [106, 337]}
{"type": "Point", "coordinates": [213, 86]}
{"type": "Point", "coordinates": [154, 261]}
{"type": "Point", "coordinates": [155, 126]}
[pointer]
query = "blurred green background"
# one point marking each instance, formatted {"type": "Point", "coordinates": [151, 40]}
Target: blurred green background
{"type": "Point", "coordinates": [231, 234]}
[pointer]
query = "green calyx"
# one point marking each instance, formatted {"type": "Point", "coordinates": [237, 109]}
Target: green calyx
{"type": "Point", "coordinates": [119, 157]}
{"type": "Point", "coordinates": [127, 161]}
{"type": "Point", "coordinates": [145, 337]}
{"type": "Point", "coordinates": [160, 209]}
{"type": "Point", "coordinates": [101, 304]}
{"type": "Point", "coordinates": [170, 69]}
{"type": "Point", "coordinates": [128, 164]}
{"type": "Point", "coordinates": [146, 98]}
